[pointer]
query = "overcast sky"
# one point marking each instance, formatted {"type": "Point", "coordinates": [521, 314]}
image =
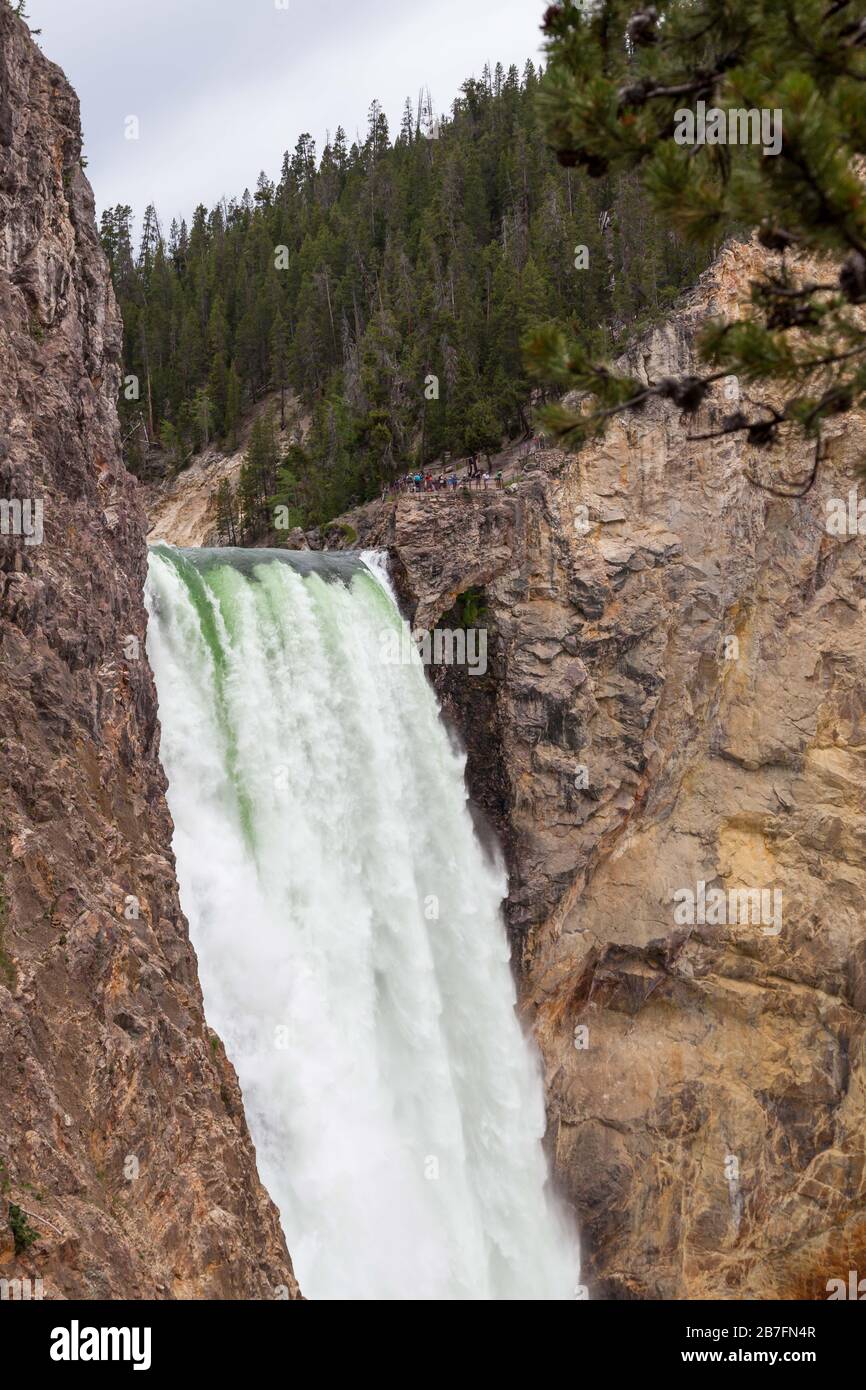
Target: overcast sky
{"type": "Point", "coordinates": [222, 87]}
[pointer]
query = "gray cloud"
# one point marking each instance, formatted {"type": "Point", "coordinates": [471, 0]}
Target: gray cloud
{"type": "Point", "coordinates": [222, 87]}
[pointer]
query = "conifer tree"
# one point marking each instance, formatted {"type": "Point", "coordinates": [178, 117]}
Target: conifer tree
{"type": "Point", "coordinates": [226, 514]}
{"type": "Point", "coordinates": [233, 407]}
{"type": "Point", "coordinates": [626, 90]}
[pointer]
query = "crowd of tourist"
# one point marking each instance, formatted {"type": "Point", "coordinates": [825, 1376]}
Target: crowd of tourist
{"type": "Point", "coordinates": [448, 479]}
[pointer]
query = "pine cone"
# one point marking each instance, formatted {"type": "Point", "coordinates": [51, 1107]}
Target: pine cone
{"type": "Point", "coordinates": [775, 238]}
{"type": "Point", "coordinates": [552, 16]}
{"type": "Point", "coordinates": [688, 394]}
{"type": "Point", "coordinates": [641, 28]}
{"type": "Point", "coordinates": [636, 93]}
{"type": "Point", "coordinates": [762, 434]}
{"type": "Point", "coordinates": [852, 278]}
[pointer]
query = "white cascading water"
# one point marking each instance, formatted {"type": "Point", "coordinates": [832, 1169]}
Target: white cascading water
{"type": "Point", "coordinates": [351, 949]}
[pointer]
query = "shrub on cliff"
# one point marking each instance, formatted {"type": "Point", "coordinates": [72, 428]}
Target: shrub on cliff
{"type": "Point", "coordinates": [23, 1233]}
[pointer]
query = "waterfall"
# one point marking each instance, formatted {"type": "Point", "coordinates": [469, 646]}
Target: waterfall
{"type": "Point", "coordinates": [347, 922]}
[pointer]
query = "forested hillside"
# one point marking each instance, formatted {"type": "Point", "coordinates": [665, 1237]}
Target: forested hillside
{"type": "Point", "coordinates": [389, 285]}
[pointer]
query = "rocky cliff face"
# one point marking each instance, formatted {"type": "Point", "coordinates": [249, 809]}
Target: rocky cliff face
{"type": "Point", "coordinates": [122, 1138]}
{"type": "Point", "coordinates": [676, 697]}
{"type": "Point", "coordinates": [181, 507]}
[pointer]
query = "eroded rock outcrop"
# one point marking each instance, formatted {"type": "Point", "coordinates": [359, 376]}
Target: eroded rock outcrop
{"type": "Point", "coordinates": [122, 1136]}
{"type": "Point", "coordinates": [181, 506]}
{"type": "Point", "coordinates": [677, 696]}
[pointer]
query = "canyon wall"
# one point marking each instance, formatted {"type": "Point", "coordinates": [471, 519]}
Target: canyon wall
{"type": "Point", "coordinates": [676, 695]}
{"type": "Point", "coordinates": [126, 1168]}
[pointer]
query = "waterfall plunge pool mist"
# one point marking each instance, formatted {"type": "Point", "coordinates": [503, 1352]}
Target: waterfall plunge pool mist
{"type": "Point", "coordinates": [352, 953]}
